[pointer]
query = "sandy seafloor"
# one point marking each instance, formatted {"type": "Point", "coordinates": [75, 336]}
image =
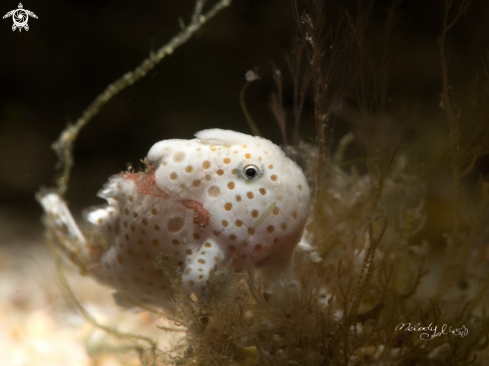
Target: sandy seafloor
{"type": "Point", "coordinates": [39, 325]}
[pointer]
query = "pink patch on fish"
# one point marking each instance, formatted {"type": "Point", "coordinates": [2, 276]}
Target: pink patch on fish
{"type": "Point", "coordinates": [201, 215]}
{"type": "Point", "coordinates": [146, 183]}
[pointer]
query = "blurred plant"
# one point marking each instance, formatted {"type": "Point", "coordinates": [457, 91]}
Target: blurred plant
{"type": "Point", "coordinates": [326, 48]}
{"type": "Point", "coordinates": [250, 76]}
{"type": "Point", "coordinates": [300, 74]}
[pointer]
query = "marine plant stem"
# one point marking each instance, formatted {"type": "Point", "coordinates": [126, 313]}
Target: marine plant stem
{"type": "Point", "coordinates": [453, 117]}
{"type": "Point", "coordinates": [64, 145]}
{"type": "Point", "coordinates": [251, 123]}
{"type": "Point", "coordinates": [452, 112]}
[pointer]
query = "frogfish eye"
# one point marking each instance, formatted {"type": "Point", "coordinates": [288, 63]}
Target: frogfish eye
{"type": "Point", "coordinates": [251, 171]}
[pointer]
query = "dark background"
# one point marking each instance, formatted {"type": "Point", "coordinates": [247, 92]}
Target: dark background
{"type": "Point", "coordinates": [74, 49]}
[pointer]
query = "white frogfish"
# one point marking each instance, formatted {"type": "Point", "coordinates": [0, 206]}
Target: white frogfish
{"type": "Point", "coordinates": [222, 195]}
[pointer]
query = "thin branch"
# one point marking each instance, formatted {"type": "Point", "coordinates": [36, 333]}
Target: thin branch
{"type": "Point", "coordinates": [277, 104]}
{"type": "Point", "coordinates": [452, 112]}
{"type": "Point", "coordinates": [89, 317]}
{"type": "Point", "coordinates": [327, 97]}
{"type": "Point", "coordinates": [64, 145]}
{"type": "Point", "coordinates": [367, 269]}
{"type": "Point", "coordinates": [250, 76]}
{"type": "Point", "coordinates": [301, 80]}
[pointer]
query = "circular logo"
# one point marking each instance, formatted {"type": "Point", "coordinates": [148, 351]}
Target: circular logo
{"type": "Point", "coordinates": [20, 17]}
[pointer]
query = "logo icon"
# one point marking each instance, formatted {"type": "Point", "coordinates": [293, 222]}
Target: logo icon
{"type": "Point", "coordinates": [20, 17]}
